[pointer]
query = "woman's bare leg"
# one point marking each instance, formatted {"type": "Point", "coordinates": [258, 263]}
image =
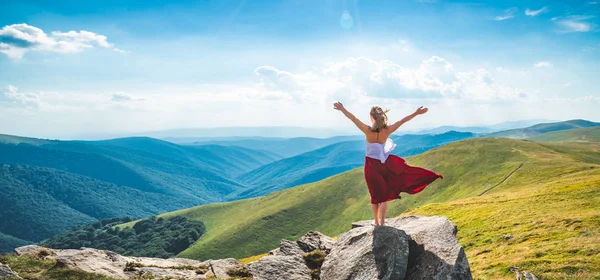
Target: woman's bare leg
{"type": "Point", "coordinates": [382, 210]}
{"type": "Point", "coordinates": [375, 208]}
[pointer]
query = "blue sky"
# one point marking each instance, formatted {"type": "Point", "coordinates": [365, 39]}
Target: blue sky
{"type": "Point", "coordinates": [69, 68]}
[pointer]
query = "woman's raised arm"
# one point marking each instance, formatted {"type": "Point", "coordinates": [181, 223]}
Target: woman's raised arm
{"type": "Point", "coordinates": [362, 126]}
{"type": "Point", "coordinates": [399, 123]}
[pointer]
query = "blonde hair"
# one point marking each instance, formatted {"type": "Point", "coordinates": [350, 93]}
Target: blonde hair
{"type": "Point", "coordinates": [380, 117]}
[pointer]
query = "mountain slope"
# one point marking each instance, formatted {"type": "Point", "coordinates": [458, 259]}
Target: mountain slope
{"type": "Point", "coordinates": [150, 165]}
{"type": "Point", "coordinates": [52, 201]}
{"type": "Point", "coordinates": [331, 160]}
{"type": "Point", "coordinates": [543, 128]}
{"type": "Point", "coordinates": [7, 242]}
{"type": "Point", "coordinates": [591, 134]}
{"type": "Point", "coordinates": [470, 168]}
{"type": "Point", "coordinates": [56, 185]}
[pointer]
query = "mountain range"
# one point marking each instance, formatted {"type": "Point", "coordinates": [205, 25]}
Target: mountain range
{"type": "Point", "coordinates": [85, 181]}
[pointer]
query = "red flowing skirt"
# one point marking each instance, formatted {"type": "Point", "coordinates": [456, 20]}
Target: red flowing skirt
{"type": "Point", "coordinates": [387, 180]}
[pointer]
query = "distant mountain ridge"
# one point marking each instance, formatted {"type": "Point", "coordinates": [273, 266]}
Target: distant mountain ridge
{"type": "Point", "coordinates": [331, 160]}
{"type": "Point", "coordinates": [543, 128]}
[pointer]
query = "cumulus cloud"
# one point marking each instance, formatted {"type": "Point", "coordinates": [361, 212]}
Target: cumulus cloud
{"type": "Point", "coordinates": [11, 97]}
{"type": "Point", "coordinates": [542, 64]}
{"type": "Point", "coordinates": [273, 78]}
{"type": "Point", "coordinates": [533, 13]}
{"type": "Point", "coordinates": [124, 97]}
{"type": "Point", "coordinates": [357, 78]}
{"type": "Point", "coordinates": [508, 14]}
{"type": "Point", "coordinates": [434, 78]}
{"type": "Point", "coordinates": [18, 39]}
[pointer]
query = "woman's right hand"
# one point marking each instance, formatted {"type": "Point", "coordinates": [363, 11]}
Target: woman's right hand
{"type": "Point", "coordinates": [338, 106]}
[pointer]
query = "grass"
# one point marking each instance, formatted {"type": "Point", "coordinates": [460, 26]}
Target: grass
{"type": "Point", "coordinates": [552, 229]}
{"type": "Point", "coordinates": [251, 227]}
{"type": "Point", "coordinates": [252, 259]}
{"type": "Point", "coordinates": [572, 135]}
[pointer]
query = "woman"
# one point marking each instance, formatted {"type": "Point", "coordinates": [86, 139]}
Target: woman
{"type": "Point", "coordinates": [387, 175]}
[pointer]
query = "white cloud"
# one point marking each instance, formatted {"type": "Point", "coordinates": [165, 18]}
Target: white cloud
{"type": "Point", "coordinates": [575, 26]}
{"type": "Point", "coordinates": [542, 64]}
{"type": "Point", "coordinates": [508, 14]}
{"type": "Point", "coordinates": [124, 97]}
{"type": "Point", "coordinates": [575, 23]}
{"type": "Point", "coordinates": [533, 13]}
{"type": "Point", "coordinates": [11, 97]}
{"type": "Point", "coordinates": [18, 39]}
{"type": "Point", "coordinates": [358, 78]}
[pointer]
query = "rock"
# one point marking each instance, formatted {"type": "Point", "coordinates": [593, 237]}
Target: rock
{"type": "Point", "coordinates": [93, 260]}
{"type": "Point", "coordinates": [26, 250]}
{"type": "Point", "coordinates": [274, 252]}
{"type": "Point", "coordinates": [289, 248]}
{"type": "Point", "coordinates": [529, 276]}
{"type": "Point", "coordinates": [508, 237]}
{"type": "Point", "coordinates": [6, 273]}
{"type": "Point", "coordinates": [368, 253]}
{"type": "Point", "coordinates": [315, 241]}
{"type": "Point", "coordinates": [221, 267]}
{"type": "Point", "coordinates": [113, 265]}
{"type": "Point", "coordinates": [280, 267]}
{"type": "Point", "coordinates": [434, 249]}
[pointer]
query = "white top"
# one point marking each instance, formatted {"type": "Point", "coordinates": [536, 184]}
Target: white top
{"type": "Point", "coordinates": [380, 151]}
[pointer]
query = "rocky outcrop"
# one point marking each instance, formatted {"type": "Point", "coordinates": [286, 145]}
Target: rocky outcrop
{"type": "Point", "coordinates": [434, 251]}
{"type": "Point", "coordinates": [7, 273]}
{"type": "Point", "coordinates": [315, 241]}
{"type": "Point", "coordinates": [280, 267]}
{"type": "Point", "coordinates": [368, 253]}
{"type": "Point", "coordinates": [121, 267]}
{"type": "Point", "coordinates": [409, 247]}
{"type": "Point", "coordinates": [27, 249]}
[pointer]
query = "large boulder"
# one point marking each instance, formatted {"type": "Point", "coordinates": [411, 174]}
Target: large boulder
{"type": "Point", "coordinates": [315, 241]}
{"type": "Point", "coordinates": [289, 248]}
{"type": "Point", "coordinates": [368, 253]}
{"type": "Point", "coordinates": [120, 267]}
{"type": "Point", "coordinates": [27, 250]}
{"type": "Point", "coordinates": [280, 267]}
{"type": "Point", "coordinates": [7, 273]}
{"type": "Point", "coordinates": [434, 249]}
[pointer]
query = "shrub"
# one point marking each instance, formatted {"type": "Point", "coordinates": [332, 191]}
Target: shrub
{"type": "Point", "coordinates": [314, 259]}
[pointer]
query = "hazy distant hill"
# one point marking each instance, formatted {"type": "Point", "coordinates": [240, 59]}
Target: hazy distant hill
{"type": "Point", "coordinates": [484, 129]}
{"type": "Point", "coordinates": [543, 128]}
{"type": "Point", "coordinates": [285, 147]}
{"type": "Point", "coordinates": [330, 160]}
{"type": "Point", "coordinates": [262, 131]}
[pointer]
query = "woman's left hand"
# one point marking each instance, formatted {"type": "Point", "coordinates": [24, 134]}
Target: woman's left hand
{"type": "Point", "coordinates": [421, 110]}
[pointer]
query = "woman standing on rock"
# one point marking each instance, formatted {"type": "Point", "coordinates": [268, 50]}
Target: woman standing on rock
{"type": "Point", "coordinates": [387, 175]}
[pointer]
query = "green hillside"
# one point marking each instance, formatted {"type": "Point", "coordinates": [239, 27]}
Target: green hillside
{"type": "Point", "coordinates": [56, 185]}
{"type": "Point", "coordinates": [7, 242]}
{"type": "Point", "coordinates": [470, 168]}
{"type": "Point", "coordinates": [572, 135]}
{"type": "Point", "coordinates": [51, 201]}
{"type": "Point", "coordinates": [543, 128]}
{"type": "Point", "coordinates": [331, 160]}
